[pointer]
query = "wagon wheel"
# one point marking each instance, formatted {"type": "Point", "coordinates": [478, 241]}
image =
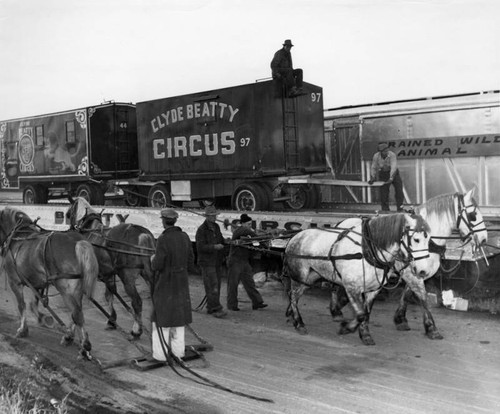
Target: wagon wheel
{"type": "Point", "coordinates": [35, 194]}
{"type": "Point", "coordinates": [133, 197]}
{"type": "Point", "coordinates": [250, 197]}
{"type": "Point", "coordinates": [92, 193]}
{"type": "Point", "coordinates": [159, 196]}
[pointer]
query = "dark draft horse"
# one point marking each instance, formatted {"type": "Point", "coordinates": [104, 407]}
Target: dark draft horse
{"type": "Point", "coordinates": [357, 255]}
{"type": "Point", "coordinates": [38, 258]}
{"type": "Point", "coordinates": [123, 250]}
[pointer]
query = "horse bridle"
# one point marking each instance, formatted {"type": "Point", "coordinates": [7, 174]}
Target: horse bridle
{"type": "Point", "coordinates": [467, 218]}
{"type": "Point", "coordinates": [408, 234]}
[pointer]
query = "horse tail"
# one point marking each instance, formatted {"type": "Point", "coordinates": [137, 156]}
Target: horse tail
{"type": "Point", "coordinates": [89, 266]}
{"type": "Point", "coordinates": [285, 278]}
{"type": "Point", "coordinates": [147, 241]}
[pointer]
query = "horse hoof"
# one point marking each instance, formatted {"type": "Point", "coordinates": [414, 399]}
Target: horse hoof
{"type": "Point", "coordinates": [434, 335]}
{"type": "Point", "coordinates": [403, 326]}
{"type": "Point", "coordinates": [368, 340]}
{"type": "Point", "coordinates": [301, 330]}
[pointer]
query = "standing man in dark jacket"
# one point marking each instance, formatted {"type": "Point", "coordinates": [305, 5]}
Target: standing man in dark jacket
{"type": "Point", "coordinates": [171, 301]}
{"type": "Point", "coordinates": [282, 70]}
{"type": "Point", "coordinates": [240, 268]}
{"type": "Point", "coordinates": [211, 256]}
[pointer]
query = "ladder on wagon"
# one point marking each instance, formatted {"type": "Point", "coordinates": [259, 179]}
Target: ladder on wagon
{"type": "Point", "coordinates": [290, 132]}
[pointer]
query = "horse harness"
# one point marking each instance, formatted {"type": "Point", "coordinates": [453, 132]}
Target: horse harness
{"type": "Point", "coordinates": [369, 251]}
{"type": "Point", "coordinates": [467, 218]}
{"type": "Point", "coordinates": [40, 293]}
{"type": "Point", "coordinates": [45, 237]}
{"type": "Point", "coordinates": [103, 242]}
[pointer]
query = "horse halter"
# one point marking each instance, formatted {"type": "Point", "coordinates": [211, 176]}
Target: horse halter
{"type": "Point", "coordinates": [467, 217]}
{"type": "Point", "coordinates": [406, 243]}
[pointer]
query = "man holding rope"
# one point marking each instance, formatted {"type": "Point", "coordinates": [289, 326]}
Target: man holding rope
{"type": "Point", "coordinates": [211, 258]}
{"type": "Point", "coordinates": [240, 268]}
{"type": "Point", "coordinates": [172, 261]}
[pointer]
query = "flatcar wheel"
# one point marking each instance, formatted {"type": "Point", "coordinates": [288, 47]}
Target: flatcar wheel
{"type": "Point", "coordinates": [250, 197]}
{"type": "Point", "coordinates": [299, 197]}
{"type": "Point", "coordinates": [159, 196]}
{"type": "Point", "coordinates": [35, 194]}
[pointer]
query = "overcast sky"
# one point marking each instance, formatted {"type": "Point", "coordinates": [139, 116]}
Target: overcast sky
{"type": "Point", "coordinates": [66, 54]}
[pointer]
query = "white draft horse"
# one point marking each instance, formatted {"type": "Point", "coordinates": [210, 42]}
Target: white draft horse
{"type": "Point", "coordinates": [444, 214]}
{"type": "Point", "coordinates": [123, 250]}
{"type": "Point", "coordinates": [38, 258]}
{"type": "Point", "coordinates": [356, 255]}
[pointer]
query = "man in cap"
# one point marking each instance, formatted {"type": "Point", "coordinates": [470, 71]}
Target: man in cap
{"type": "Point", "coordinates": [211, 258]}
{"type": "Point", "coordinates": [385, 167]}
{"type": "Point", "coordinates": [241, 269]}
{"type": "Point", "coordinates": [283, 71]}
{"type": "Point", "coordinates": [172, 260]}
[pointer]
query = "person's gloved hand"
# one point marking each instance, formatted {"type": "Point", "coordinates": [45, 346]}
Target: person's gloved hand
{"type": "Point", "coordinates": [389, 181]}
{"type": "Point", "coordinates": [371, 181]}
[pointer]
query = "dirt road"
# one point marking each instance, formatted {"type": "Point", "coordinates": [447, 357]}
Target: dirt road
{"type": "Point", "coordinates": [258, 353]}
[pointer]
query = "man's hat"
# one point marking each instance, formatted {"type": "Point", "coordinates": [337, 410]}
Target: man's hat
{"type": "Point", "coordinates": [169, 213]}
{"type": "Point", "coordinates": [288, 42]}
{"type": "Point", "coordinates": [382, 146]}
{"type": "Point", "coordinates": [245, 218]}
{"type": "Point", "coordinates": [211, 211]}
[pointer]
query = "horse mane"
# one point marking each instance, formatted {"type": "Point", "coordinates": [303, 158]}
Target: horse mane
{"type": "Point", "coordinates": [388, 229]}
{"type": "Point", "coordinates": [442, 205]}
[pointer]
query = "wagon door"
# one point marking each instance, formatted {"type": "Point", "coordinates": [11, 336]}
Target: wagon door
{"type": "Point", "coordinates": [345, 154]}
{"type": "Point", "coordinates": [126, 140]}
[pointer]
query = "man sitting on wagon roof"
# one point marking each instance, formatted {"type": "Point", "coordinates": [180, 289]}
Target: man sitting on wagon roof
{"type": "Point", "coordinates": [282, 70]}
